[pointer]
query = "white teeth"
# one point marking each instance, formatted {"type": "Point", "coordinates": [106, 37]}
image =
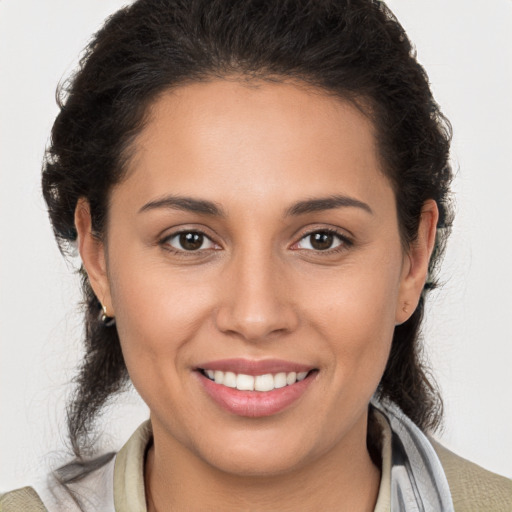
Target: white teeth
{"type": "Point", "coordinates": [229, 380]}
{"type": "Point", "coordinates": [280, 380]}
{"type": "Point", "coordinates": [266, 382]}
{"type": "Point", "coordinates": [291, 378]}
{"type": "Point", "coordinates": [244, 382]}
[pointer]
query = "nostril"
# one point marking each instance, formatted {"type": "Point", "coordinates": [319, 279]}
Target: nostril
{"type": "Point", "coordinates": [267, 323]}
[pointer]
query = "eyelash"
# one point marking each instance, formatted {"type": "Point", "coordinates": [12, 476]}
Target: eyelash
{"type": "Point", "coordinates": [345, 242]}
{"type": "Point", "coordinates": [166, 242]}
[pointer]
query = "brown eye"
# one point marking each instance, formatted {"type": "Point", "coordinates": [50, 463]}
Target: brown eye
{"type": "Point", "coordinates": [190, 241]}
{"type": "Point", "coordinates": [321, 241]}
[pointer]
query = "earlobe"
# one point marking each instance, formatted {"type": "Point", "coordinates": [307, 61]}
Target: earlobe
{"type": "Point", "coordinates": [92, 252]}
{"type": "Point", "coordinates": [416, 263]}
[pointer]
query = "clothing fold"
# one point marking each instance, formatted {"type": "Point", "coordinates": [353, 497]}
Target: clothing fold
{"type": "Point", "coordinates": [418, 481]}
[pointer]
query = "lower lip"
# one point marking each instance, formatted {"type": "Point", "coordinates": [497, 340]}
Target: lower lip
{"type": "Point", "coordinates": [255, 404]}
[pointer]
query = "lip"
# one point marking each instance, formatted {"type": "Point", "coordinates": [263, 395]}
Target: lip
{"type": "Point", "coordinates": [255, 404]}
{"type": "Point", "coordinates": [250, 367]}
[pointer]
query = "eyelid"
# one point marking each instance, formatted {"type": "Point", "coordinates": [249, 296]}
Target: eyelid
{"type": "Point", "coordinates": [163, 240]}
{"type": "Point", "coordinates": [346, 241]}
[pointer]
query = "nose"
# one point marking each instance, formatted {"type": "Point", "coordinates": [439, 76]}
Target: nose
{"type": "Point", "coordinates": [256, 303]}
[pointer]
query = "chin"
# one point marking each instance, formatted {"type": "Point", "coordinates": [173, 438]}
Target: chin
{"type": "Point", "coordinates": [261, 453]}
{"type": "Point", "coordinates": [246, 464]}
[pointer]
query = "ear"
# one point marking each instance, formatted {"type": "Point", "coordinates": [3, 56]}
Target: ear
{"type": "Point", "coordinates": [416, 261]}
{"type": "Point", "coordinates": [92, 252]}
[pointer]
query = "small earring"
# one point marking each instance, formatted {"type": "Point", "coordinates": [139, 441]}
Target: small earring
{"type": "Point", "coordinates": [107, 321]}
{"type": "Point", "coordinates": [404, 309]}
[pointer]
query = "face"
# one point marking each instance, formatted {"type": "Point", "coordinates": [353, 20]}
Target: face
{"type": "Point", "coordinates": [254, 266]}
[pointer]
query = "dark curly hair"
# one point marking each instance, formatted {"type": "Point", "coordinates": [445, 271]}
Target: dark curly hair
{"type": "Point", "coordinates": [354, 49]}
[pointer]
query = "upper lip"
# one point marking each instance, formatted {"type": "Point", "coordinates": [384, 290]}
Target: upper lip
{"type": "Point", "coordinates": [252, 367]}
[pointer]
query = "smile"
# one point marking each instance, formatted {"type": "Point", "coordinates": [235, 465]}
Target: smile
{"type": "Point", "coordinates": [255, 388]}
{"type": "Point", "coordinates": [266, 382]}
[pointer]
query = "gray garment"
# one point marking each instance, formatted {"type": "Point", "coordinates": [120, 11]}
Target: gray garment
{"type": "Point", "coordinates": [418, 481]}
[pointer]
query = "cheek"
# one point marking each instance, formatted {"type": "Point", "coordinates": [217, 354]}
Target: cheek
{"type": "Point", "coordinates": [157, 311]}
{"type": "Point", "coordinates": [354, 302]}
{"type": "Point", "coordinates": [156, 317]}
{"type": "Point", "coordinates": [355, 315]}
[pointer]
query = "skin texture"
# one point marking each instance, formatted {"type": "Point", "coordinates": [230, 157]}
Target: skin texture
{"type": "Point", "coordinates": [257, 290]}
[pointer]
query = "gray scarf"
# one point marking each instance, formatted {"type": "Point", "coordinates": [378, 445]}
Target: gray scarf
{"type": "Point", "coordinates": [418, 482]}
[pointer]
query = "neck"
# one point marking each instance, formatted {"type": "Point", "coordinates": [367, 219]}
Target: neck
{"type": "Point", "coordinates": [345, 479]}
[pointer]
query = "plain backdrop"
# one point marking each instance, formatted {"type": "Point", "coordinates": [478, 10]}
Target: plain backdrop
{"type": "Point", "coordinates": [466, 48]}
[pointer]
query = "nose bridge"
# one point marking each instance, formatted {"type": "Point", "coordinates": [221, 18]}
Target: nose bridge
{"type": "Point", "coordinates": [256, 303]}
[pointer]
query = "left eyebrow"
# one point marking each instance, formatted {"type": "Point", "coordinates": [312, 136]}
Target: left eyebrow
{"type": "Point", "coordinates": [327, 203]}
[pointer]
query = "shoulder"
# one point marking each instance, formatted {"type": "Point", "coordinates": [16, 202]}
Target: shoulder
{"type": "Point", "coordinates": [92, 486]}
{"type": "Point", "coordinates": [21, 500]}
{"type": "Point", "coordinates": [77, 488]}
{"type": "Point", "coordinates": [473, 488]}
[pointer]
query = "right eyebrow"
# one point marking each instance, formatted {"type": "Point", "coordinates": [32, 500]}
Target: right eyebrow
{"type": "Point", "coordinates": [188, 204]}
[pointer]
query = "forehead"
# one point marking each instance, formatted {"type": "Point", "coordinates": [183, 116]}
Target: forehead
{"type": "Point", "coordinates": [231, 139]}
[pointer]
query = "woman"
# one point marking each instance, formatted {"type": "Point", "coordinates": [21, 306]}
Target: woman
{"type": "Point", "coordinates": [256, 190]}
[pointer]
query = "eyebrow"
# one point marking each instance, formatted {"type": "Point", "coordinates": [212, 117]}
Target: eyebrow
{"type": "Point", "coordinates": [187, 204]}
{"type": "Point", "coordinates": [205, 207]}
{"type": "Point", "coordinates": [327, 203]}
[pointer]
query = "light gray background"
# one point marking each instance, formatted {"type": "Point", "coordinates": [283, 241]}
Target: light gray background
{"type": "Point", "coordinates": [467, 50]}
